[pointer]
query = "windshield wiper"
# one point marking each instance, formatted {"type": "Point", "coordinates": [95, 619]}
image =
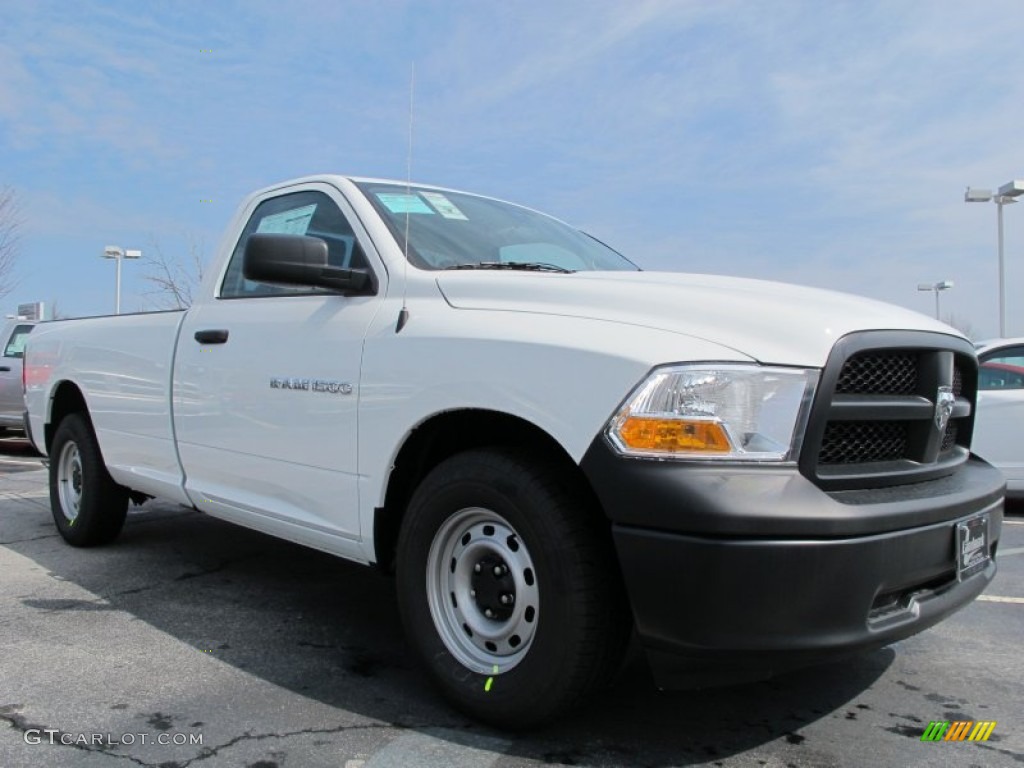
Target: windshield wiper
{"type": "Point", "coordinates": [522, 266]}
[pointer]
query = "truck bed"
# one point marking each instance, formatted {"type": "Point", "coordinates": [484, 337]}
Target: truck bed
{"type": "Point", "coordinates": [122, 364]}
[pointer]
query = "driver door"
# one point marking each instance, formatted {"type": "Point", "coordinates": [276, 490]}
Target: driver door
{"type": "Point", "coordinates": [266, 385]}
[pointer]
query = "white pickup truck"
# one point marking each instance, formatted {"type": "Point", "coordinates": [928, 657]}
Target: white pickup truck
{"type": "Point", "coordinates": [550, 447]}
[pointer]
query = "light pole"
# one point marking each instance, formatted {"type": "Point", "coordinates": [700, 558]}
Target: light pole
{"type": "Point", "coordinates": [1005, 196]}
{"type": "Point", "coordinates": [945, 285]}
{"type": "Point", "coordinates": [118, 253]}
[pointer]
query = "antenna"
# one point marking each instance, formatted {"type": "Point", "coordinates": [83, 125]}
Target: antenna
{"type": "Point", "coordinates": [403, 314]}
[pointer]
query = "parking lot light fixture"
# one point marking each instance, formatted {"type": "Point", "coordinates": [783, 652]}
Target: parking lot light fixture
{"type": "Point", "coordinates": [1006, 195]}
{"type": "Point", "coordinates": [945, 285]}
{"type": "Point", "coordinates": [118, 253]}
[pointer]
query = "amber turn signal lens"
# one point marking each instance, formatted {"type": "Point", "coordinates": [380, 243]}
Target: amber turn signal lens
{"type": "Point", "coordinates": [673, 435]}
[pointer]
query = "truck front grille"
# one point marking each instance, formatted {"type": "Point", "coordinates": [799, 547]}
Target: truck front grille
{"type": "Point", "coordinates": [877, 418]}
{"type": "Point", "coordinates": [879, 373]}
{"type": "Point", "coordinates": [857, 442]}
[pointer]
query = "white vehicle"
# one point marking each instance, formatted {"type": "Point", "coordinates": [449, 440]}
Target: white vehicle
{"type": "Point", "coordinates": [13, 334]}
{"type": "Point", "coordinates": [999, 424]}
{"type": "Point", "coordinates": [547, 445]}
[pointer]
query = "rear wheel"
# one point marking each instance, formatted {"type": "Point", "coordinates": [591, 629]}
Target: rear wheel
{"type": "Point", "coordinates": [88, 507]}
{"type": "Point", "coordinates": [509, 589]}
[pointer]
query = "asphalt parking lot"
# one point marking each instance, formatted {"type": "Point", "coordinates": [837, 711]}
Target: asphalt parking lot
{"type": "Point", "coordinates": [191, 630]}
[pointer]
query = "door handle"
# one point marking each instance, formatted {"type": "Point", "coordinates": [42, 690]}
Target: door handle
{"type": "Point", "coordinates": [213, 336]}
{"type": "Point", "coordinates": [5, 368]}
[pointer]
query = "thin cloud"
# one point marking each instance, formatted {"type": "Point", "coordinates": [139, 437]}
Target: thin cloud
{"type": "Point", "coordinates": [828, 143]}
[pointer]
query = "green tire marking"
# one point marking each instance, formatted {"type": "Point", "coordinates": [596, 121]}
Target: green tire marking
{"type": "Point", "coordinates": [490, 680]}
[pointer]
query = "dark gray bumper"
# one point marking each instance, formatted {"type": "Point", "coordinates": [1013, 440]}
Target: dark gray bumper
{"type": "Point", "coordinates": [736, 573]}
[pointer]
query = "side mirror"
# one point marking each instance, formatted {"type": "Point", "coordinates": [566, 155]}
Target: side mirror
{"type": "Point", "coordinates": [299, 260]}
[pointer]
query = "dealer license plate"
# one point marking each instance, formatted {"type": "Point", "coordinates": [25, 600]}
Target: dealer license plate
{"type": "Point", "coordinates": [971, 546]}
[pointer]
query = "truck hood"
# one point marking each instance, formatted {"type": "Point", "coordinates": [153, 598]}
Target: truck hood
{"type": "Point", "coordinates": [773, 323]}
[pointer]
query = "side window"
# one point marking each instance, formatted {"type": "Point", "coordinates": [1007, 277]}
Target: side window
{"type": "Point", "coordinates": [1003, 369]}
{"type": "Point", "coordinates": [299, 213]}
{"type": "Point", "coordinates": [16, 344]}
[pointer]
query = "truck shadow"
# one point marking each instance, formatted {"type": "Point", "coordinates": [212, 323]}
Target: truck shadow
{"type": "Point", "coordinates": [329, 630]}
{"type": "Point", "coordinates": [22, 457]}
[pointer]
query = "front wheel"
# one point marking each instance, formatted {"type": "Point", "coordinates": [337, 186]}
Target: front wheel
{"type": "Point", "coordinates": [508, 587]}
{"type": "Point", "coordinates": [88, 507]}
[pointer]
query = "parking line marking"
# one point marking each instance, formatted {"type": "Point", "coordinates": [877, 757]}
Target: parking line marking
{"type": "Point", "coordinates": [28, 462]}
{"type": "Point", "coordinates": [438, 746]}
{"type": "Point", "coordinates": [1009, 552]}
{"type": "Point", "coordinates": [1013, 522]}
{"type": "Point", "coordinates": [999, 599]}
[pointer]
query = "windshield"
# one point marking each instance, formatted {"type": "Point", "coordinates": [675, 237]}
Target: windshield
{"type": "Point", "coordinates": [452, 230]}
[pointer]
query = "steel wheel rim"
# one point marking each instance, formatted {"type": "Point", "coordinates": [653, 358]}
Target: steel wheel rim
{"type": "Point", "coordinates": [463, 585]}
{"type": "Point", "coordinates": [69, 481]}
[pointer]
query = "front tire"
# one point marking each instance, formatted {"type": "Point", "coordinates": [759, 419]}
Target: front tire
{"type": "Point", "coordinates": [508, 587]}
{"type": "Point", "coordinates": [88, 507]}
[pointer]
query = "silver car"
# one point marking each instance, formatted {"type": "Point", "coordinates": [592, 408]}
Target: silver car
{"type": "Point", "coordinates": [12, 403]}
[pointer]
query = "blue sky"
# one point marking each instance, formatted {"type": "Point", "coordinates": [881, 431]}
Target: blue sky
{"type": "Point", "coordinates": [822, 143]}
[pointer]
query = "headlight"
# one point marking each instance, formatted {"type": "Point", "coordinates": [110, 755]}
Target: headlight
{"type": "Point", "coordinates": [708, 411]}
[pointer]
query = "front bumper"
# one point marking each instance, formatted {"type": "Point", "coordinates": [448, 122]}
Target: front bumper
{"type": "Point", "coordinates": [736, 573]}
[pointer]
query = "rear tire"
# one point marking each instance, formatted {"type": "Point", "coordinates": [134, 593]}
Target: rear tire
{"type": "Point", "coordinates": [509, 588]}
{"type": "Point", "coordinates": [88, 507]}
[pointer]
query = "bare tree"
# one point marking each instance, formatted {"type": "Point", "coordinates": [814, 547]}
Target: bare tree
{"type": "Point", "coordinates": [10, 222]}
{"type": "Point", "coordinates": [175, 279]}
{"type": "Point", "coordinates": [55, 312]}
